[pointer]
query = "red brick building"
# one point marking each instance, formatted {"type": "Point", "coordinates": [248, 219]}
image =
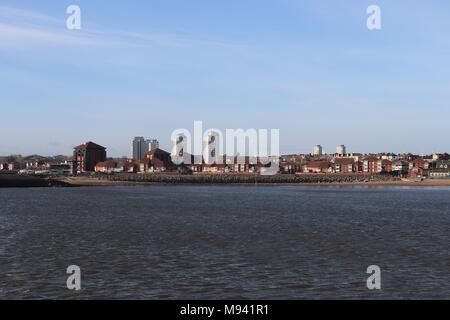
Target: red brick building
{"type": "Point", "coordinates": [158, 160]}
{"type": "Point", "coordinates": [345, 165]}
{"type": "Point", "coordinates": [386, 166]}
{"type": "Point", "coordinates": [86, 157]}
{"type": "Point", "coordinates": [321, 166]}
{"type": "Point", "coordinates": [372, 165]}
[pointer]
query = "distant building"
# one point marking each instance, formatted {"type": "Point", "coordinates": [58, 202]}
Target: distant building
{"type": "Point", "coordinates": [152, 144]}
{"type": "Point", "coordinates": [317, 150]}
{"type": "Point", "coordinates": [389, 156]}
{"type": "Point", "coordinates": [341, 150]}
{"type": "Point", "coordinates": [86, 156]}
{"type": "Point", "coordinates": [140, 148]}
{"type": "Point", "coordinates": [441, 156]}
{"type": "Point", "coordinates": [158, 160]}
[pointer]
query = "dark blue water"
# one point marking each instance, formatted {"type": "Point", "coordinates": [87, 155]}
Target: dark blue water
{"type": "Point", "coordinates": [224, 242]}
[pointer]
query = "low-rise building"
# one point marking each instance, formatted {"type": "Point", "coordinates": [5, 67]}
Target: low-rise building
{"type": "Point", "coordinates": [386, 166]}
{"type": "Point", "coordinates": [344, 165]}
{"type": "Point", "coordinates": [441, 165]}
{"type": "Point", "coordinates": [321, 166]}
{"type": "Point", "coordinates": [400, 167]}
{"type": "Point", "coordinates": [109, 166]}
{"type": "Point", "coordinates": [158, 160]}
{"type": "Point", "coordinates": [61, 169]}
{"type": "Point", "coordinates": [439, 174]}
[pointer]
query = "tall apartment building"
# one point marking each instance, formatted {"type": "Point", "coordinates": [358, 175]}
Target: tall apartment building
{"type": "Point", "coordinates": [341, 150]}
{"type": "Point", "coordinates": [152, 144]}
{"type": "Point", "coordinates": [317, 150]}
{"type": "Point", "coordinates": [140, 148]}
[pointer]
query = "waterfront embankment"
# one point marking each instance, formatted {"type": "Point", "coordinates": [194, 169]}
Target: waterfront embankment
{"type": "Point", "coordinates": [247, 179]}
{"type": "Point", "coordinates": [24, 181]}
{"type": "Point", "coordinates": [125, 178]}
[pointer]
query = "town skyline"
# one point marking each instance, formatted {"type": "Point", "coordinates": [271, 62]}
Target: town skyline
{"type": "Point", "coordinates": [149, 158]}
{"type": "Point", "coordinates": [315, 150]}
{"type": "Point", "coordinates": [312, 70]}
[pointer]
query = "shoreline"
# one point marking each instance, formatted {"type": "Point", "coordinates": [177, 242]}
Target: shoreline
{"type": "Point", "coordinates": [23, 181]}
{"type": "Point", "coordinates": [93, 182]}
{"type": "Point", "coordinates": [19, 181]}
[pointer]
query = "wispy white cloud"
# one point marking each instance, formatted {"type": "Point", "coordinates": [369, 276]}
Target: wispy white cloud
{"type": "Point", "coordinates": [15, 36]}
{"type": "Point", "coordinates": [21, 28]}
{"type": "Point", "coordinates": [15, 14]}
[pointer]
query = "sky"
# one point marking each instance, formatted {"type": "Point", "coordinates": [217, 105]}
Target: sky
{"type": "Point", "coordinates": [310, 68]}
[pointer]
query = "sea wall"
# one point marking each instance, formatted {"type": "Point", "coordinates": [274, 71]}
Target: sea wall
{"type": "Point", "coordinates": [241, 178]}
{"type": "Point", "coordinates": [8, 180]}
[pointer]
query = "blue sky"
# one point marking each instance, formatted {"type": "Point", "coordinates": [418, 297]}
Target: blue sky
{"type": "Point", "coordinates": [309, 68]}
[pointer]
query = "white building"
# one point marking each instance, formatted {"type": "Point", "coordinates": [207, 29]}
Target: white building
{"type": "Point", "coordinates": [317, 150]}
{"type": "Point", "coordinates": [439, 174]}
{"type": "Point", "coordinates": [341, 150]}
{"type": "Point", "coordinates": [152, 144]}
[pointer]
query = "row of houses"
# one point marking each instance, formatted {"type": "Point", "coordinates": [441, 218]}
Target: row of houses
{"type": "Point", "coordinates": [91, 157]}
{"type": "Point", "coordinates": [369, 165]}
{"type": "Point", "coordinates": [158, 160]}
{"type": "Point", "coordinates": [37, 164]}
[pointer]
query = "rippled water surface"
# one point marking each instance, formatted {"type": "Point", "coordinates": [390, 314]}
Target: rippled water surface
{"type": "Point", "coordinates": [224, 242]}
